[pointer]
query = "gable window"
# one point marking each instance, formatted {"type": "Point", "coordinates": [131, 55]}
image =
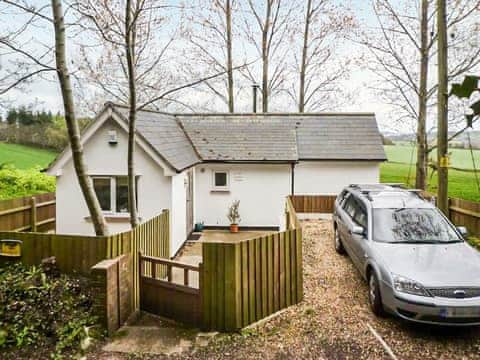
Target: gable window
{"type": "Point", "coordinates": [220, 181]}
{"type": "Point", "coordinates": [112, 193]}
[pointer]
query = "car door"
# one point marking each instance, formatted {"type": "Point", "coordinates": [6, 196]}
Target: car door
{"type": "Point", "coordinates": [359, 242]}
{"type": "Point", "coordinates": [345, 224]}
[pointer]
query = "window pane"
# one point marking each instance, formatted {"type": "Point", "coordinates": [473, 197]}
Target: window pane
{"type": "Point", "coordinates": [122, 194]}
{"type": "Point", "coordinates": [102, 189]}
{"type": "Point", "coordinates": [221, 179]}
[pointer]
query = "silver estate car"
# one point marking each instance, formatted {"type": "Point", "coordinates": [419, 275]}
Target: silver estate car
{"type": "Point", "coordinates": [416, 263]}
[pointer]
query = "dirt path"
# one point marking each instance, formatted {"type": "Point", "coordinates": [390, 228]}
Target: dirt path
{"type": "Point", "coordinates": [331, 322]}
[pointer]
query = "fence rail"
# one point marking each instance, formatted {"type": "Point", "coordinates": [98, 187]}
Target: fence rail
{"type": "Point", "coordinates": [33, 213]}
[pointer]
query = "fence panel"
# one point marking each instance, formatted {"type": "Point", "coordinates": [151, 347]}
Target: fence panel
{"type": "Point", "coordinates": [466, 213]}
{"type": "Point", "coordinates": [246, 281]}
{"type": "Point", "coordinates": [74, 253]}
{"type": "Point", "coordinates": [313, 203]}
{"type": "Point", "coordinates": [34, 213]}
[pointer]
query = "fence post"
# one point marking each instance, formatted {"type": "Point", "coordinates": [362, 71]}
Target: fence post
{"type": "Point", "coordinates": [33, 214]}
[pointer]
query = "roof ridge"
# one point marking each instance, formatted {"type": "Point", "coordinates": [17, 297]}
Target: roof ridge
{"type": "Point", "coordinates": [269, 114]}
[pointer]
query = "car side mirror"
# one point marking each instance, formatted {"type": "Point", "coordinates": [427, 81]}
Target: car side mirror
{"type": "Point", "coordinates": [356, 229]}
{"type": "Point", "coordinates": [462, 230]}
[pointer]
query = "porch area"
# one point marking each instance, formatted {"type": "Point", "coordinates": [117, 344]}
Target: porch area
{"type": "Point", "coordinates": [191, 252]}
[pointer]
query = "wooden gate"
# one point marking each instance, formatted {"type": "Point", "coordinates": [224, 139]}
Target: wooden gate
{"type": "Point", "coordinates": [170, 289]}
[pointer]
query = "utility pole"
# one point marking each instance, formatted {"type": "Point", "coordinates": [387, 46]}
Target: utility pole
{"type": "Point", "coordinates": [442, 121]}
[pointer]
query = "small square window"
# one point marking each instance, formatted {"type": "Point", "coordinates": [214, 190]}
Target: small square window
{"type": "Point", "coordinates": [220, 180]}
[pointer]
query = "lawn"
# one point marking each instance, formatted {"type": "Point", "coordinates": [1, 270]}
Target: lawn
{"type": "Point", "coordinates": [20, 171]}
{"type": "Point", "coordinates": [25, 157]}
{"type": "Point", "coordinates": [460, 184]}
{"type": "Point", "coordinates": [460, 158]}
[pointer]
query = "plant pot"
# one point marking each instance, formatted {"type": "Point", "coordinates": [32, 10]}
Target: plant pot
{"type": "Point", "coordinates": [234, 228]}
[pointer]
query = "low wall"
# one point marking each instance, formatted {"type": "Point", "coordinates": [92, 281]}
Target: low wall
{"type": "Point", "coordinates": [112, 280]}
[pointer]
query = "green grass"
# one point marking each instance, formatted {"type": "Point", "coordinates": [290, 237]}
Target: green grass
{"type": "Point", "coordinates": [25, 157]}
{"type": "Point", "coordinates": [460, 158]}
{"type": "Point", "coordinates": [460, 184]}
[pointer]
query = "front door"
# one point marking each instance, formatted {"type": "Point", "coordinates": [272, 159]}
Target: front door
{"type": "Point", "coordinates": [189, 198]}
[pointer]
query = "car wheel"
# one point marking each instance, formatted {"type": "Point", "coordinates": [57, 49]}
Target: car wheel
{"type": "Point", "coordinates": [374, 297]}
{"type": "Point", "coordinates": [338, 242]}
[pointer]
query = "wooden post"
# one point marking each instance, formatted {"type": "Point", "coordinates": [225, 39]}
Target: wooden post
{"type": "Point", "coordinates": [33, 214]}
{"type": "Point", "coordinates": [442, 121]}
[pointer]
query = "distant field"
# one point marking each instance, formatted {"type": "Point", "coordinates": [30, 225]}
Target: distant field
{"type": "Point", "coordinates": [460, 158]}
{"type": "Point", "coordinates": [25, 157]}
{"type": "Point", "coordinates": [461, 184]}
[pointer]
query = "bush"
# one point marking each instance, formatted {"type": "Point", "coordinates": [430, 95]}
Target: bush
{"type": "Point", "coordinates": [40, 314]}
{"type": "Point", "coordinates": [17, 183]}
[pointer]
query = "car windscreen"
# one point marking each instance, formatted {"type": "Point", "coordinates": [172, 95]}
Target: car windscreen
{"type": "Point", "coordinates": [408, 225]}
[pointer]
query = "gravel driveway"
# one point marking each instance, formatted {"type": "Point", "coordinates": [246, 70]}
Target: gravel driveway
{"type": "Point", "coordinates": [331, 322]}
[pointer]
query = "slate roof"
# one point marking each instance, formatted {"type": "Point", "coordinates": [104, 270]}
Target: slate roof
{"type": "Point", "coordinates": [166, 136]}
{"type": "Point", "coordinates": [220, 138]}
{"type": "Point", "coordinates": [184, 140]}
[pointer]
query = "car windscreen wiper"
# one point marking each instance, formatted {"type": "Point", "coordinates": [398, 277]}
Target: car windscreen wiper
{"type": "Point", "coordinates": [418, 242]}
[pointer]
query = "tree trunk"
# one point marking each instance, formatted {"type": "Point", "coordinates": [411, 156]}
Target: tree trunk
{"type": "Point", "coordinates": [265, 59]}
{"type": "Point", "coordinates": [442, 150]}
{"type": "Point", "coordinates": [132, 114]}
{"type": "Point", "coordinates": [422, 155]}
{"type": "Point", "coordinates": [84, 180]}
{"type": "Point", "coordinates": [303, 65]}
{"type": "Point", "coordinates": [228, 15]}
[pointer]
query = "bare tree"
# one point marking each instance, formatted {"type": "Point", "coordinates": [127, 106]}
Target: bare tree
{"type": "Point", "coordinates": [139, 67]}
{"type": "Point", "coordinates": [400, 43]}
{"type": "Point", "coordinates": [31, 63]}
{"type": "Point", "coordinates": [208, 29]}
{"type": "Point", "coordinates": [269, 28]}
{"type": "Point", "coordinates": [319, 69]}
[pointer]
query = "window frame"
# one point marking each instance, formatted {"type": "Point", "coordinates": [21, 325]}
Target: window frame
{"type": "Point", "coordinates": [113, 193]}
{"type": "Point", "coordinates": [221, 188]}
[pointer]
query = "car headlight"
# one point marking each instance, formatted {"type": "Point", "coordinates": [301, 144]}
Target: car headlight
{"type": "Point", "coordinates": [406, 285]}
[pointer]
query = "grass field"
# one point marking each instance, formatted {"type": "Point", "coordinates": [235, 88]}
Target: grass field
{"type": "Point", "coordinates": [460, 158]}
{"type": "Point", "coordinates": [25, 157]}
{"type": "Point", "coordinates": [461, 184]}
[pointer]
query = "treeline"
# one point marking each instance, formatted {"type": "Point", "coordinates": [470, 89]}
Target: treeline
{"type": "Point", "coordinates": [36, 128]}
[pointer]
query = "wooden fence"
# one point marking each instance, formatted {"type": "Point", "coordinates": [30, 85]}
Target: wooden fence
{"type": "Point", "coordinates": [33, 213]}
{"type": "Point", "coordinates": [313, 203]}
{"type": "Point", "coordinates": [246, 281]}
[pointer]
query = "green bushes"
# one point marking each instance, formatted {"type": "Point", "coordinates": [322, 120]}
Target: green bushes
{"type": "Point", "coordinates": [17, 183]}
{"type": "Point", "coordinates": [43, 315]}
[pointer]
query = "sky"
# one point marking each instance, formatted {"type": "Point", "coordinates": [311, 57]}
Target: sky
{"type": "Point", "coordinates": [46, 92]}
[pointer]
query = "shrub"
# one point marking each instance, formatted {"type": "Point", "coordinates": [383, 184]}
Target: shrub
{"type": "Point", "coordinates": [16, 183]}
{"type": "Point", "coordinates": [40, 313]}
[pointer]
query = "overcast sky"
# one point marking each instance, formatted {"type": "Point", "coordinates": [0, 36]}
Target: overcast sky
{"type": "Point", "coordinates": [46, 93]}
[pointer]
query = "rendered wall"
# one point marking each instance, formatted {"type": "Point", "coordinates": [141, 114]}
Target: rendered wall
{"type": "Point", "coordinates": [330, 177]}
{"type": "Point", "coordinates": [154, 188]}
{"type": "Point", "coordinates": [261, 189]}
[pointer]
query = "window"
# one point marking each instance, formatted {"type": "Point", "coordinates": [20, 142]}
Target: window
{"type": "Point", "coordinates": [220, 180]}
{"type": "Point", "coordinates": [112, 193]}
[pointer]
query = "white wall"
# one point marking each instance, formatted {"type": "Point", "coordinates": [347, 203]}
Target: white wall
{"type": "Point", "coordinates": [154, 188]}
{"type": "Point", "coordinates": [261, 190]}
{"type": "Point", "coordinates": [330, 177]}
{"type": "Point", "coordinates": [178, 226]}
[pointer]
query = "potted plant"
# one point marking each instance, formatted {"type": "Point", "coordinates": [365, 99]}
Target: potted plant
{"type": "Point", "coordinates": [234, 216]}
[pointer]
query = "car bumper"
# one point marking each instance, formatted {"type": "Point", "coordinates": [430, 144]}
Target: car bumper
{"type": "Point", "coordinates": [432, 310]}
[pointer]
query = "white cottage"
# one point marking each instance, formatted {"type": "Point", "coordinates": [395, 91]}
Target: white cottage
{"type": "Point", "coordinates": [196, 165]}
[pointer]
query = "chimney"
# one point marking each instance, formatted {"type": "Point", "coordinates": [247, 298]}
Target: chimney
{"type": "Point", "coordinates": [255, 87]}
